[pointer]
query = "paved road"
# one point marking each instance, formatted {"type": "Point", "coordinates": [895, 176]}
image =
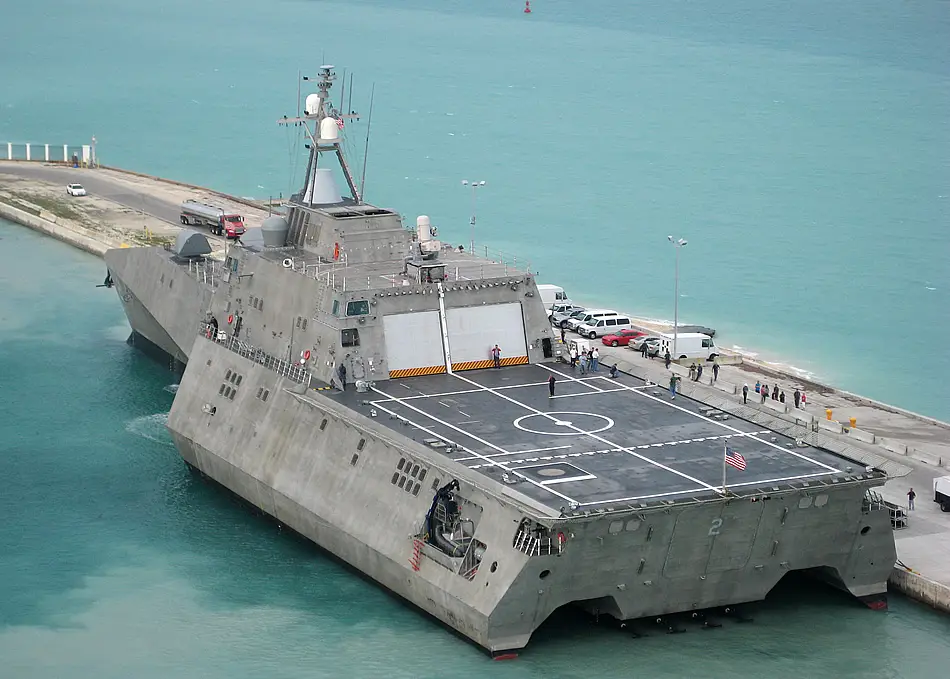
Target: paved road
{"type": "Point", "coordinates": [99, 185]}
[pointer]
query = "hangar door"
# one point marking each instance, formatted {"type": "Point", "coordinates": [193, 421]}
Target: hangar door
{"type": "Point", "coordinates": [414, 344]}
{"type": "Point", "coordinates": [473, 331]}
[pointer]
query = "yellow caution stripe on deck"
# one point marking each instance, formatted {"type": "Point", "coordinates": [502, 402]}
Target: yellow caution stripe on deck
{"type": "Point", "coordinates": [414, 372]}
{"type": "Point", "coordinates": [475, 365]}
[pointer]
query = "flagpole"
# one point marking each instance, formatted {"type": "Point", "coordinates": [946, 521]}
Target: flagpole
{"type": "Point", "coordinates": [724, 449]}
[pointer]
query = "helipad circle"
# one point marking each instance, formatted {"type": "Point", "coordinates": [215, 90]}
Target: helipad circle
{"type": "Point", "coordinates": [578, 425]}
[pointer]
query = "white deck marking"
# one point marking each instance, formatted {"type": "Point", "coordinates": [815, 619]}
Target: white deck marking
{"type": "Point", "coordinates": [688, 491]}
{"type": "Point", "coordinates": [636, 390]}
{"type": "Point", "coordinates": [588, 393]}
{"type": "Point", "coordinates": [421, 394]}
{"type": "Point", "coordinates": [597, 438]}
{"type": "Point", "coordinates": [514, 452]}
{"type": "Point", "coordinates": [471, 436]}
{"type": "Point", "coordinates": [785, 478]}
{"type": "Point", "coordinates": [585, 477]}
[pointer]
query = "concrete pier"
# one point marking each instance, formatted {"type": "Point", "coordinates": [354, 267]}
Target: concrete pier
{"type": "Point", "coordinates": [134, 209]}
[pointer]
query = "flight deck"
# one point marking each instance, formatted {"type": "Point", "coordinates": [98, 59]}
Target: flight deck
{"type": "Point", "coordinates": [598, 442]}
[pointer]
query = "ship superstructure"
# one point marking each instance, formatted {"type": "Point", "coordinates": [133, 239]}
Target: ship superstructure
{"type": "Point", "coordinates": [341, 377]}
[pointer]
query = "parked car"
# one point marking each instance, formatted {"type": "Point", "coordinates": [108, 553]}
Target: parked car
{"type": "Point", "coordinates": [637, 343]}
{"type": "Point", "coordinates": [75, 190]}
{"type": "Point", "coordinates": [622, 338]}
{"type": "Point", "coordinates": [563, 321]}
{"type": "Point", "coordinates": [607, 325]}
{"type": "Point", "coordinates": [559, 312]}
{"type": "Point", "coordinates": [590, 316]}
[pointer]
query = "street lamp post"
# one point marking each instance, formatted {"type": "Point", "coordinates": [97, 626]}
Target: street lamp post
{"type": "Point", "coordinates": [677, 244]}
{"type": "Point", "coordinates": [474, 186]}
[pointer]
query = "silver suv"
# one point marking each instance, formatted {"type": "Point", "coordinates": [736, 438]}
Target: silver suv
{"type": "Point", "coordinates": [559, 313]}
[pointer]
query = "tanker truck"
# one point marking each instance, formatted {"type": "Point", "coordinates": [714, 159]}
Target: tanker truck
{"type": "Point", "coordinates": [219, 220]}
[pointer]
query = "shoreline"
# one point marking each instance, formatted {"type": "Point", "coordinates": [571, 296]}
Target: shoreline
{"type": "Point", "coordinates": [96, 224]}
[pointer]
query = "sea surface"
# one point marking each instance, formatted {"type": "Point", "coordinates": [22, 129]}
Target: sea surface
{"type": "Point", "coordinates": [801, 148]}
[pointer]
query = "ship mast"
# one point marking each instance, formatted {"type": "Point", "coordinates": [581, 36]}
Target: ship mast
{"type": "Point", "coordinates": [322, 122]}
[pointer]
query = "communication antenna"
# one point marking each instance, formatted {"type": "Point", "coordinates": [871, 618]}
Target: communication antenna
{"type": "Point", "coordinates": [369, 124]}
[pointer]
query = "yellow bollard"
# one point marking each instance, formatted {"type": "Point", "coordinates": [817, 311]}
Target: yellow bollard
{"type": "Point", "coordinates": [828, 413]}
{"type": "Point", "coordinates": [854, 423]}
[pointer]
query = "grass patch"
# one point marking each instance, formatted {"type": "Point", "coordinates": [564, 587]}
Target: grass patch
{"type": "Point", "coordinates": [52, 205]}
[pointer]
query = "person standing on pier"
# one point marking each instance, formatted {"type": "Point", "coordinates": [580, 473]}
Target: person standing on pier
{"type": "Point", "coordinates": [803, 398]}
{"type": "Point", "coordinates": [699, 372]}
{"type": "Point", "coordinates": [692, 372]}
{"type": "Point", "coordinates": [667, 359]}
{"type": "Point", "coordinates": [551, 381]}
{"type": "Point", "coordinates": [911, 496]}
{"type": "Point", "coordinates": [496, 355]}
{"type": "Point", "coordinates": [797, 396]}
{"type": "Point", "coordinates": [764, 392]}
{"type": "Point", "coordinates": [715, 371]}
{"type": "Point", "coordinates": [674, 380]}
{"type": "Point", "coordinates": [594, 360]}
{"type": "Point", "coordinates": [745, 393]}
{"type": "Point", "coordinates": [781, 397]}
{"type": "Point", "coordinates": [583, 362]}
{"type": "Point", "coordinates": [643, 350]}
{"type": "Point", "coordinates": [758, 386]}
{"type": "Point", "coordinates": [775, 393]}
{"type": "Point", "coordinates": [562, 336]}
{"type": "Point", "coordinates": [574, 357]}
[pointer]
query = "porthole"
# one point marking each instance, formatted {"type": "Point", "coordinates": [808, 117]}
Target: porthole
{"type": "Point", "coordinates": [633, 524]}
{"type": "Point", "coordinates": [415, 470]}
{"type": "Point", "coordinates": [221, 390]}
{"type": "Point", "coordinates": [805, 502]}
{"type": "Point", "coordinates": [402, 481]}
{"type": "Point", "coordinates": [323, 425]}
{"type": "Point", "coordinates": [260, 390]}
{"type": "Point", "coordinates": [865, 530]}
{"type": "Point", "coordinates": [415, 489]}
{"type": "Point", "coordinates": [402, 463]}
{"type": "Point", "coordinates": [228, 375]}
{"type": "Point", "coordinates": [354, 459]}
{"type": "Point", "coordinates": [493, 567]}
{"type": "Point", "coordinates": [821, 500]}
{"type": "Point", "coordinates": [233, 393]}
{"type": "Point", "coordinates": [615, 527]}
{"type": "Point", "coordinates": [304, 325]}
{"type": "Point", "coordinates": [266, 394]}
{"type": "Point", "coordinates": [543, 574]}
{"type": "Point", "coordinates": [359, 446]}
{"type": "Point", "coordinates": [233, 378]}
{"type": "Point", "coordinates": [395, 478]}
{"type": "Point", "coordinates": [240, 377]}
{"type": "Point", "coordinates": [422, 474]}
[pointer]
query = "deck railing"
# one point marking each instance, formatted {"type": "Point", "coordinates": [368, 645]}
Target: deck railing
{"type": "Point", "coordinates": [252, 353]}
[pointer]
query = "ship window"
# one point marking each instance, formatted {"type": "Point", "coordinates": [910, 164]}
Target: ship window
{"type": "Point", "coordinates": [323, 425]}
{"type": "Point", "coordinates": [359, 307]}
{"type": "Point", "coordinates": [234, 264]}
{"type": "Point", "coordinates": [633, 524]}
{"type": "Point", "coordinates": [359, 446]}
{"type": "Point", "coordinates": [233, 392]}
{"type": "Point", "coordinates": [422, 474]}
{"type": "Point", "coordinates": [221, 390]}
{"type": "Point", "coordinates": [260, 390]}
{"type": "Point", "coordinates": [354, 459]}
{"type": "Point", "coordinates": [336, 307]}
{"type": "Point", "coordinates": [303, 326]}
{"type": "Point", "coordinates": [805, 502]}
{"type": "Point", "coordinates": [821, 500]}
{"type": "Point", "coordinates": [260, 305]}
{"type": "Point", "coordinates": [402, 463]}
{"type": "Point", "coordinates": [240, 377]}
{"type": "Point", "coordinates": [402, 481]}
{"type": "Point", "coordinates": [615, 527]}
{"type": "Point", "coordinates": [415, 470]}
{"type": "Point", "coordinates": [266, 394]}
{"type": "Point", "coordinates": [435, 484]}
{"type": "Point", "coordinates": [350, 337]}
{"type": "Point", "coordinates": [415, 489]}
{"type": "Point", "coordinates": [395, 478]}
{"type": "Point", "coordinates": [229, 307]}
{"type": "Point", "coordinates": [170, 283]}
{"type": "Point", "coordinates": [227, 375]}
{"type": "Point", "coordinates": [298, 321]}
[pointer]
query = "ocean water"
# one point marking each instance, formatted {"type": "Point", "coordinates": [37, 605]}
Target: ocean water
{"type": "Point", "coordinates": [116, 562]}
{"type": "Point", "coordinates": [802, 148]}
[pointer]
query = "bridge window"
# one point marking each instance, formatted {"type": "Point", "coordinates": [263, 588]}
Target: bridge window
{"type": "Point", "coordinates": [336, 307]}
{"type": "Point", "coordinates": [350, 337]}
{"type": "Point", "coordinates": [358, 307]}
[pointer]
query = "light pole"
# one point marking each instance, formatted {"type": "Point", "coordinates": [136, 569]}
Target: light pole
{"type": "Point", "coordinates": [677, 244]}
{"type": "Point", "coordinates": [474, 186]}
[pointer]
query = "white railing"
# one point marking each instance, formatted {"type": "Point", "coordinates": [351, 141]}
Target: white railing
{"type": "Point", "coordinates": [532, 545]}
{"type": "Point", "coordinates": [45, 153]}
{"type": "Point", "coordinates": [289, 370]}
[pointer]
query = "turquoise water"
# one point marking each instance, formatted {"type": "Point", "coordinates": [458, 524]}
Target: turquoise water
{"type": "Point", "coordinates": [802, 148]}
{"type": "Point", "coordinates": [115, 562]}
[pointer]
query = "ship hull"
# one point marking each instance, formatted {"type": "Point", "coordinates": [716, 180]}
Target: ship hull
{"type": "Point", "coordinates": [294, 456]}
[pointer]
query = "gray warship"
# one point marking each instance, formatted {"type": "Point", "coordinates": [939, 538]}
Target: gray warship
{"type": "Point", "coordinates": [339, 375]}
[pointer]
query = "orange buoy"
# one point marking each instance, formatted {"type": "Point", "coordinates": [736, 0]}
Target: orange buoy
{"type": "Point", "coordinates": [527, 6]}
{"type": "Point", "coordinates": [230, 319]}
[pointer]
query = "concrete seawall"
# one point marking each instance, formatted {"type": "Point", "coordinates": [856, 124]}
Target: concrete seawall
{"type": "Point", "coordinates": [925, 590]}
{"type": "Point", "coordinates": [46, 223]}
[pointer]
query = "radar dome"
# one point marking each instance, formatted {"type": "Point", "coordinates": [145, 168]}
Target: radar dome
{"type": "Point", "coordinates": [274, 231]}
{"type": "Point", "coordinates": [329, 130]}
{"type": "Point", "coordinates": [312, 104]}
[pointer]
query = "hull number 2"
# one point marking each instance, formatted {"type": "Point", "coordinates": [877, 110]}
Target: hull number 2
{"type": "Point", "coordinates": [714, 528]}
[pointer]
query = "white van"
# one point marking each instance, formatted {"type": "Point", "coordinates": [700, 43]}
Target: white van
{"type": "Point", "coordinates": [604, 326]}
{"type": "Point", "coordinates": [592, 315]}
{"type": "Point", "coordinates": [942, 492]}
{"type": "Point", "coordinates": [689, 345]}
{"type": "Point", "coordinates": [552, 294]}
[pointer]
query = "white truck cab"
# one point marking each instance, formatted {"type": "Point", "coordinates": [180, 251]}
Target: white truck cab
{"type": "Point", "coordinates": [552, 294]}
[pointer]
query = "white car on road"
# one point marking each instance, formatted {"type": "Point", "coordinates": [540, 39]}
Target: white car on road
{"type": "Point", "coordinates": [75, 190]}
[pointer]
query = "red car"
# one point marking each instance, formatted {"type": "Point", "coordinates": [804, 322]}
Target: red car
{"type": "Point", "coordinates": [622, 338]}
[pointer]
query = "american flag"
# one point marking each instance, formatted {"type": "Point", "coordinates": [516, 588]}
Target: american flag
{"type": "Point", "coordinates": [734, 459]}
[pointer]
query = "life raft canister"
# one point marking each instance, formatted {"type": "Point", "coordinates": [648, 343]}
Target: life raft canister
{"type": "Point", "coordinates": [230, 319]}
